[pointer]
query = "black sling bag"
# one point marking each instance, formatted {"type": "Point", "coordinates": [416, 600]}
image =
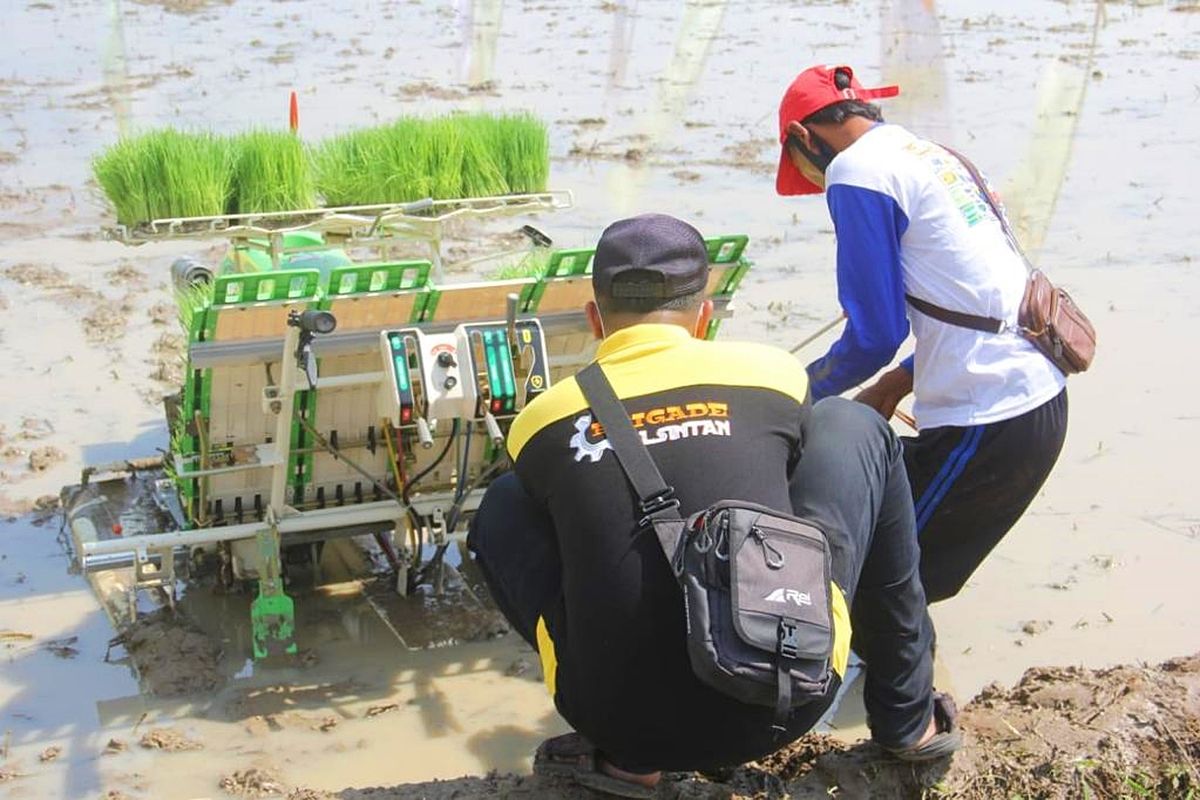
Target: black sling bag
{"type": "Point", "coordinates": [756, 583]}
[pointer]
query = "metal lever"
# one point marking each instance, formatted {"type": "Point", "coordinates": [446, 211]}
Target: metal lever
{"type": "Point", "coordinates": [520, 355]}
{"type": "Point", "coordinates": [510, 317]}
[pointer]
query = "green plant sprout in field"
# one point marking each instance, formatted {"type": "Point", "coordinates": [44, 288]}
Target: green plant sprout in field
{"type": "Point", "coordinates": [171, 173]}
{"type": "Point", "coordinates": [270, 173]}
{"type": "Point", "coordinates": [166, 173]}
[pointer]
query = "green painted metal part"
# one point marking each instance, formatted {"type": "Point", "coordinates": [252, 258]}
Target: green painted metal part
{"type": "Point", "coordinates": [273, 613]}
{"type": "Point", "coordinates": [254, 255]}
{"type": "Point", "coordinates": [726, 249]}
{"type": "Point", "coordinates": [367, 279]}
{"type": "Point", "coordinates": [301, 286]}
{"type": "Point", "coordinates": [359, 279]}
{"type": "Point", "coordinates": [265, 287]}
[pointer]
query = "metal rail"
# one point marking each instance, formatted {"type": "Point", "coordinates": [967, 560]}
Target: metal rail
{"type": "Point", "coordinates": [203, 355]}
{"type": "Point", "coordinates": [93, 552]}
{"type": "Point", "coordinates": [420, 219]}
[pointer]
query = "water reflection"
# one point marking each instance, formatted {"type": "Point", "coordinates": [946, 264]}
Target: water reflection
{"type": "Point", "coordinates": [480, 30]}
{"type": "Point", "coordinates": [116, 68]}
{"type": "Point", "coordinates": [1032, 192]}
{"type": "Point", "coordinates": [624, 20]}
{"type": "Point", "coordinates": [699, 27]}
{"type": "Point", "coordinates": [912, 54]}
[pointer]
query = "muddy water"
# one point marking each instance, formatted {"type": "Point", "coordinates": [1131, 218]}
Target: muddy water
{"type": "Point", "coordinates": [655, 106]}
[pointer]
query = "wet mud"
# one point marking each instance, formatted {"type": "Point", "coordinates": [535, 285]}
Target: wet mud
{"type": "Point", "coordinates": [1128, 731]}
{"type": "Point", "coordinates": [170, 655]}
{"type": "Point", "coordinates": [665, 105]}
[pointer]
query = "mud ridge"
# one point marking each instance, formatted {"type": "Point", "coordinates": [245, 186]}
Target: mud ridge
{"type": "Point", "coordinates": [1061, 732]}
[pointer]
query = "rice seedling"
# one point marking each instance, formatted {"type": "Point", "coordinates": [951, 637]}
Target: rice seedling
{"type": "Point", "coordinates": [374, 165]}
{"type": "Point", "coordinates": [118, 171]}
{"type": "Point", "coordinates": [270, 173]}
{"type": "Point", "coordinates": [449, 157]}
{"type": "Point", "coordinates": [522, 146]}
{"type": "Point", "coordinates": [528, 265]}
{"type": "Point", "coordinates": [403, 167]}
{"type": "Point", "coordinates": [191, 300]}
{"type": "Point", "coordinates": [165, 173]}
{"type": "Point", "coordinates": [481, 171]}
{"type": "Point", "coordinates": [169, 173]}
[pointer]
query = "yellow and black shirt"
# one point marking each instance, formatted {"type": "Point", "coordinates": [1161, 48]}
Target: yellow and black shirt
{"type": "Point", "coordinates": [722, 420]}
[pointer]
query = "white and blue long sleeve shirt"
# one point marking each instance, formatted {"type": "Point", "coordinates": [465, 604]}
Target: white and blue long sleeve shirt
{"type": "Point", "coordinates": [910, 219]}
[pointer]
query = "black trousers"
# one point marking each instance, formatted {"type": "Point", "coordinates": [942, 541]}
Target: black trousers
{"type": "Point", "coordinates": [852, 483]}
{"type": "Point", "coordinates": [971, 484]}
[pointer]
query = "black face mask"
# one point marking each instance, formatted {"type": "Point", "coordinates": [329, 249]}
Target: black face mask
{"type": "Point", "coordinates": [819, 159]}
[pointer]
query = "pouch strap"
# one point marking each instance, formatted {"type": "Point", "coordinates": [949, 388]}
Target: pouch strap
{"type": "Point", "coordinates": [785, 652]}
{"type": "Point", "coordinates": [959, 318]}
{"type": "Point", "coordinates": [987, 196]}
{"type": "Point", "coordinates": [656, 500]}
{"type": "Point", "coordinates": [783, 697]}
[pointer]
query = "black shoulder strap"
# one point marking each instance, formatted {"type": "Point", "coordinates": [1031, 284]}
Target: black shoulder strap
{"type": "Point", "coordinates": [656, 498]}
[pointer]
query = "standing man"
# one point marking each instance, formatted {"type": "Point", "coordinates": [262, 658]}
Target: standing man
{"type": "Point", "coordinates": [915, 230]}
{"type": "Point", "coordinates": [568, 563]}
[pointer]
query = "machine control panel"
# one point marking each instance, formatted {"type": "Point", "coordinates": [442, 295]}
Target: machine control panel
{"type": "Point", "coordinates": [402, 354]}
{"type": "Point", "coordinates": [508, 374]}
{"type": "Point", "coordinates": [480, 370]}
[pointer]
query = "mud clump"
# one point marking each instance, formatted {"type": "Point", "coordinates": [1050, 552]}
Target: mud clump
{"type": "Point", "coordinates": [309, 794]}
{"type": "Point", "coordinates": [169, 741]}
{"type": "Point", "coordinates": [171, 655]}
{"type": "Point", "coordinates": [106, 322]}
{"type": "Point", "coordinates": [748, 155]}
{"type": "Point", "coordinates": [161, 313]}
{"type": "Point", "coordinates": [184, 6]}
{"type": "Point", "coordinates": [126, 274]}
{"type": "Point", "coordinates": [253, 782]}
{"type": "Point", "coordinates": [43, 458]}
{"type": "Point", "coordinates": [1127, 731]}
{"type": "Point", "coordinates": [38, 276]}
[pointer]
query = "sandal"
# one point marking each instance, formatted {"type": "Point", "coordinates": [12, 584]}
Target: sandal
{"type": "Point", "coordinates": [945, 741]}
{"type": "Point", "coordinates": [572, 756]}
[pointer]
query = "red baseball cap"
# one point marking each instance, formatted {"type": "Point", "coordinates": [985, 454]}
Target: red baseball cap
{"type": "Point", "coordinates": [813, 90]}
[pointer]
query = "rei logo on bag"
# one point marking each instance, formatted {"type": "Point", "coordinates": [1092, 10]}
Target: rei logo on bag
{"type": "Point", "coordinates": [789, 596]}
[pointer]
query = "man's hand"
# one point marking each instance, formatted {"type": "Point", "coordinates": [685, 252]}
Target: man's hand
{"type": "Point", "coordinates": [887, 392]}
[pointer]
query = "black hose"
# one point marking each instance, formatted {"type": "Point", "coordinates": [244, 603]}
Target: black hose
{"type": "Point", "coordinates": [464, 463]}
{"type": "Point", "coordinates": [416, 478]}
{"type": "Point", "coordinates": [453, 517]}
{"type": "Point", "coordinates": [416, 520]}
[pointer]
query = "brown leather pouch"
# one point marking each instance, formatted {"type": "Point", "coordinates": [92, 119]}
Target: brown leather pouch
{"type": "Point", "coordinates": [1056, 326]}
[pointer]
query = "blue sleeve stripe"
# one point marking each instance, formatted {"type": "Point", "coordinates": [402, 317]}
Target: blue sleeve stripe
{"type": "Point", "coordinates": [870, 283]}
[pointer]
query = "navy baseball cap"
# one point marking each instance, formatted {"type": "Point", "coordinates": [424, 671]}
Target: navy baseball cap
{"type": "Point", "coordinates": [651, 257]}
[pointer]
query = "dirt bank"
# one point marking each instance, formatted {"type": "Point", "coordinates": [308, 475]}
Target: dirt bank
{"type": "Point", "coordinates": [1128, 731]}
{"type": "Point", "coordinates": [171, 656]}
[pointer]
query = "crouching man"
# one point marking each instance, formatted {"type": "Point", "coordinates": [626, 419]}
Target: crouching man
{"type": "Point", "coordinates": [561, 546]}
